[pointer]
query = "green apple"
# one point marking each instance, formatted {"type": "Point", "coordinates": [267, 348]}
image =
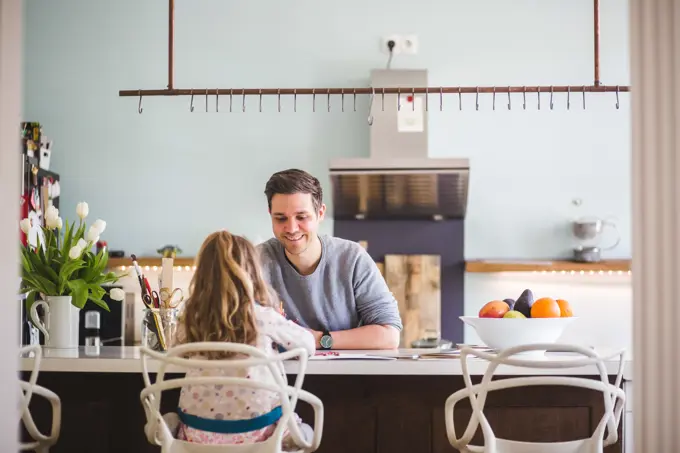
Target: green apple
{"type": "Point", "coordinates": [514, 314]}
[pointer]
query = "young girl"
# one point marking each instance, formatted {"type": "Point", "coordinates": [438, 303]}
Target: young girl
{"type": "Point", "coordinates": [229, 301]}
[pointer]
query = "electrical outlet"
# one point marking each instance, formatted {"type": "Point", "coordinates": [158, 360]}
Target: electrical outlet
{"type": "Point", "coordinates": [397, 44]}
{"type": "Point", "coordinates": [409, 44]}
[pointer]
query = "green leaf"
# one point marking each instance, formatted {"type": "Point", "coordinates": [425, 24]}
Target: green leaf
{"type": "Point", "coordinates": [25, 261]}
{"type": "Point", "coordinates": [66, 246]}
{"type": "Point", "coordinates": [35, 284]}
{"type": "Point", "coordinates": [100, 262]}
{"type": "Point", "coordinates": [78, 292]}
{"type": "Point", "coordinates": [96, 291]}
{"type": "Point", "coordinates": [101, 303]}
{"type": "Point", "coordinates": [67, 270]}
{"type": "Point", "coordinates": [80, 233]}
{"type": "Point", "coordinates": [50, 287]}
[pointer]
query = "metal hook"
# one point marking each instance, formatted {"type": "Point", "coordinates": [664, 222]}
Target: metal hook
{"type": "Point", "coordinates": [328, 100]}
{"type": "Point", "coordinates": [206, 100]}
{"type": "Point", "coordinates": [191, 104]}
{"type": "Point", "coordinates": [139, 107]}
{"type": "Point", "coordinates": [217, 100]}
{"type": "Point", "coordinates": [538, 94]}
{"type": "Point", "coordinates": [494, 99]}
{"type": "Point", "coordinates": [260, 100]}
{"type": "Point", "coordinates": [551, 97]}
{"type": "Point", "coordinates": [477, 99]}
{"type": "Point", "coordinates": [382, 100]}
{"type": "Point", "coordinates": [584, 97]}
{"type": "Point", "coordinates": [617, 97]}
{"type": "Point", "coordinates": [413, 100]}
{"type": "Point", "coordinates": [398, 99]}
{"type": "Point", "coordinates": [295, 100]}
{"type": "Point", "coordinates": [355, 99]}
{"type": "Point", "coordinates": [313, 99]}
{"type": "Point", "coordinates": [427, 100]}
{"type": "Point", "coordinates": [509, 100]}
{"type": "Point", "coordinates": [370, 108]}
{"type": "Point", "coordinates": [524, 98]}
{"type": "Point", "coordinates": [460, 99]}
{"type": "Point", "coordinates": [441, 99]}
{"type": "Point", "coordinates": [278, 99]}
{"type": "Point", "coordinates": [342, 99]}
{"type": "Point", "coordinates": [231, 98]}
{"type": "Point", "coordinates": [244, 100]}
{"type": "Point", "coordinates": [568, 97]}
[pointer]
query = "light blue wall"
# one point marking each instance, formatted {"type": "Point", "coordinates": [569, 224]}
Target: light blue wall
{"type": "Point", "coordinates": [170, 176]}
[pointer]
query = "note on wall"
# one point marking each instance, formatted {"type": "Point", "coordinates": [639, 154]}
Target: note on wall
{"type": "Point", "coordinates": [411, 117]}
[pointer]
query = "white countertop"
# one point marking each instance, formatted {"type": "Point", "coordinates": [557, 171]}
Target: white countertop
{"type": "Point", "coordinates": [126, 359]}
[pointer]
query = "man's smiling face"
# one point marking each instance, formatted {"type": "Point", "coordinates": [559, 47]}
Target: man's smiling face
{"type": "Point", "coordinates": [295, 220]}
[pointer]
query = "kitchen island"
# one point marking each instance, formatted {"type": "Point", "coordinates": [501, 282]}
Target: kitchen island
{"type": "Point", "coordinates": [369, 405]}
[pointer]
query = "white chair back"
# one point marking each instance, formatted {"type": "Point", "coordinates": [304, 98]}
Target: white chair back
{"type": "Point", "coordinates": [187, 356]}
{"type": "Point", "coordinates": [614, 397]}
{"type": "Point", "coordinates": [41, 442]}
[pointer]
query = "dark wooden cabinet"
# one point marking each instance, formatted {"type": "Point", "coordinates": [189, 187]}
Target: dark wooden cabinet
{"type": "Point", "coordinates": [102, 412]}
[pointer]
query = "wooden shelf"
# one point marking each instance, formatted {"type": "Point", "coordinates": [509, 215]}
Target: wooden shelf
{"type": "Point", "coordinates": [548, 266]}
{"type": "Point", "coordinates": [476, 266]}
{"type": "Point", "coordinates": [151, 261]}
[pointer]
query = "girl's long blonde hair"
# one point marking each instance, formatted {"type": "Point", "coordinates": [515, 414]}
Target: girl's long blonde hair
{"type": "Point", "coordinates": [227, 283]}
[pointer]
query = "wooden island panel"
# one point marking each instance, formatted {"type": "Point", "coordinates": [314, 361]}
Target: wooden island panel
{"type": "Point", "coordinates": [363, 414]}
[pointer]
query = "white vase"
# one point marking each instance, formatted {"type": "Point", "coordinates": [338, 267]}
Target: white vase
{"type": "Point", "coordinates": [61, 324]}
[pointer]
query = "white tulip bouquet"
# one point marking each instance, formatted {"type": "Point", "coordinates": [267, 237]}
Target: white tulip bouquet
{"type": "Point", "coordinates": [62, 262]}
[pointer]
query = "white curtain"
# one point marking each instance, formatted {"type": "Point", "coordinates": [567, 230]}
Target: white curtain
{"type": "Point", "coordinates": [655, 65]}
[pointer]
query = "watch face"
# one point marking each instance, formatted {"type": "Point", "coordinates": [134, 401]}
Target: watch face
{"type": "Point", "coordinates": [326, 341]}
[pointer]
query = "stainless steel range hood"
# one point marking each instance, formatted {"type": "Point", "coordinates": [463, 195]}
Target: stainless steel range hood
{"type": "Point", "coordinates": [399, 180]}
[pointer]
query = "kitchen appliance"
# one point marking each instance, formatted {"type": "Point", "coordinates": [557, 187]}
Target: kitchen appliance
{"type": "Point", "coordinates": [399, 180]}
{"type": "Point", "coordinates": [589, 231]}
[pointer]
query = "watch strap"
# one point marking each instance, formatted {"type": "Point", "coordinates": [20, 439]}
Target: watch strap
{"type": "Point", "coordinates": [324, 334]}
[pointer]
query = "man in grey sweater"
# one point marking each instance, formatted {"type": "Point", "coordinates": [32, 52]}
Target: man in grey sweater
{"type": "Point", "coordinates": [329, 285]}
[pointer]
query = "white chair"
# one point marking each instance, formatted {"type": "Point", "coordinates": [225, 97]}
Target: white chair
{"type": "Point", "coordinates": [41, 442]}
{"type": "Point", "coordinates": [157, 429]}
{"type": "Point", "coordinates": [614, 397]}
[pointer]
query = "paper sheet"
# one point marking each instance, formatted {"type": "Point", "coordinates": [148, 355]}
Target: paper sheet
{"type": "Point", "coordinates": [347, 356]}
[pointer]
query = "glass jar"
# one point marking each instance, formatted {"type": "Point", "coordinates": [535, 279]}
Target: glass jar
{"type": "Point", "coordinates": [163, 321]}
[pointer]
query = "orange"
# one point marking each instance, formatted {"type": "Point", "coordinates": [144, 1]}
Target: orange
{"type": "Point", "coordinates": [545, 307]}
{"type": "Point", "coordinates": [565, 308]}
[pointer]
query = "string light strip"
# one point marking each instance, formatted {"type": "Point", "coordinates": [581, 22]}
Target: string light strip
{"type": "Point", "coordinates": [544, 272]}
{"type": "Point", "coordinates": [156, 268]}
{"type": "Point", "coordinates": [582, 272]}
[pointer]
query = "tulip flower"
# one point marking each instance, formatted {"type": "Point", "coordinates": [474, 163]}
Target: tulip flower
{"type": "Point", "coordinates": [75, 252]}
{"type": "Point", "coordinates": [82, 209]}
{"type": "Point", "coordinates": [100, 225]}
{"type": "Point", "coordinates": [93, 234]}
{"type": "Point", "coordinates": [25, 225]}
{"type": "Point", "coordinates": [53, 222]}
{"type": "Point", "coordinates": [117, 294]}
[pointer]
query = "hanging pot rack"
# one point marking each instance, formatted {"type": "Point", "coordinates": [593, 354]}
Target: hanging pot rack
{"type": "Point", "coordinates": [596, 87]}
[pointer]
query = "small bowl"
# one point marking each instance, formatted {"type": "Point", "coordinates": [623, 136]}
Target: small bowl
{"type": "Point", "coordinates": [503, 333]}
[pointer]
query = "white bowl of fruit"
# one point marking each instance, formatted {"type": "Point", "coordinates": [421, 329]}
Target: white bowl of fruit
{"type": "Point", "coordinates": [507, 323]}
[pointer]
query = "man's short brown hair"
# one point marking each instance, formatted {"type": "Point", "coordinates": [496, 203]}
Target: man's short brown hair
{"type": "Point", "coordinates": [288, 182]}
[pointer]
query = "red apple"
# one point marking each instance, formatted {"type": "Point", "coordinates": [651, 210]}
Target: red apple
{"type": "Point", "coordinates": [494, 309]}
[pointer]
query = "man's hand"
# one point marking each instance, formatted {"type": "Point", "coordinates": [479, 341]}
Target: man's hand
{"type": "Point", "coordinates": [365, 337]}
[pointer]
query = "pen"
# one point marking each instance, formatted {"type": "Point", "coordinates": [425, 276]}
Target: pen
{"type": "Point", "coordinates": [138, 270]}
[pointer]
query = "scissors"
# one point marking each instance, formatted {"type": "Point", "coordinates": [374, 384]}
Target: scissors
{"type": "Point", "coordinates": [167, 296]}
{"type": "Point", "coordinates": [151, 300]}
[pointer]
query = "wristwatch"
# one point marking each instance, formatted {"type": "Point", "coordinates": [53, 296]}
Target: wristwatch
{"type": "Point", "coordinates": [326, 340]}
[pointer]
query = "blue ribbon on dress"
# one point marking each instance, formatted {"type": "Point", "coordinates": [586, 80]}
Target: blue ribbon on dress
{"type": "Point", "coordinates": [230, 426]}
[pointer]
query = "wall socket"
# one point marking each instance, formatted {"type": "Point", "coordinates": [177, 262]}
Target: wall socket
{"type": "Point", "coordinates": [403, 44]}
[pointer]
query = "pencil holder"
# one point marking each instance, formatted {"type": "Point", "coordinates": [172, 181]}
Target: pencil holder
{"type": "Point", "coordinates": [159, 328]}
